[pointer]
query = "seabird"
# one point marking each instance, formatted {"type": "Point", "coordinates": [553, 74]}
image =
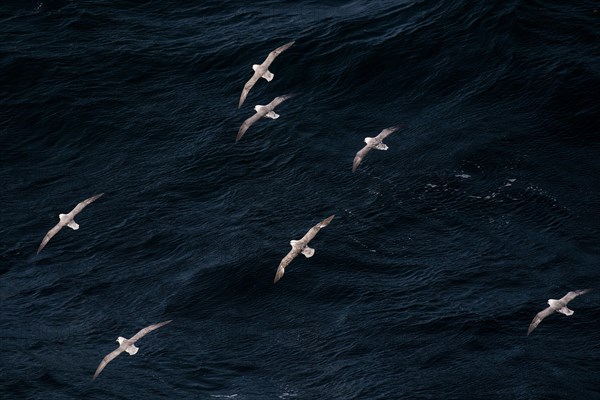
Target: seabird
{"type": "Point", "coordinates": [262, 111]}
{"type": "Point", "coordinates": [300, 246]}
{"type": "Point", "coordinates": [127, 345]}
{"type": "Point", "coordinates": [373, 143]}
{"type": "Point", "coordinates": [556, 305]}
{"type": "Point", "coordinates": [67, 220]}
{"type": "Point", "coordinates": [262, 71]}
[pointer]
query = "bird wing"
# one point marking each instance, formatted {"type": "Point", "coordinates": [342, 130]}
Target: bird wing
{"type": "Point", "coordinates": [83, 204]}
{"type": "Point", "coordinates": [359, 157]}
{"type": "Point", "coordinates": [273, 55]}
{"type": "Point", "coordinates": [109, 357]}
{"type": "Point", "coordinates": [247, 124]}
{"type": "Point", "coordinates": [312, 232]}
{"type": "Point", "coordinates": [147, 329]}
{"type": "Point", "coordinates": [247, 87]}
{"type": "Point", "coordinates": [387, 132]}
{"type": "Point", "coordinates": [571, 295]}
{"type": "Point", "coordinates": [538, 318]}
{"type": "Point", "coordinates": [278, 100]}
{"type": "Point", "coordinates": [49, 236]}
{"type": "Point", "coordinates": [285, 262]}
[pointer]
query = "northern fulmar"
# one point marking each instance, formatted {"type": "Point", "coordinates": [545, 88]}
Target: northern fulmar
{"type": "Point", "coordinates": [373, 143]}
{"type": "Point", "coordinates": [301, 246]}
{"type": "Point", "coordinates": [556, 305]}
{"type": "Point", "coordinates": [262, 111]}
{"type": "Point", "coordinates": [127, 345]}
{"type": "Point", "coordinates": [262, 71]}
{"type": "Point", "coordinates": [67, 220]}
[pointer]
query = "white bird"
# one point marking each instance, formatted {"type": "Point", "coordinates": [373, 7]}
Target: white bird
{"type": "Point", "coordinates": [373, 143]}
{"type": "Point", "coordinates": [262, 111]}
{"type": "Point", "coordinates": [127, 345]}
{"type": "Point", "coordinates": [67, 220]}
{"type": "Point", "coordinates": [262, 71]}
{"type": "Point", "coordinates": [556, 305]}
{"type": "Point", "coordinates": [301, 246]}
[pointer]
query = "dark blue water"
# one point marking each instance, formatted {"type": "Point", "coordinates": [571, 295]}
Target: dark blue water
{"type": "Point", "coordinates": [442, 250]}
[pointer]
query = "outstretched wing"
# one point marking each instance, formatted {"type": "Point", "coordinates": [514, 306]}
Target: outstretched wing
{"type": "Point", "coordinates": [49, 236]}
{"type": "Point", "coordinates": [247, 87]}
{"type": "Point", "coordinates": [284, 263]}
{"type": "Point", "coordinates": [147, 329]}
{"type": "Point", "coordinates": [273, 55]}
{"type": "Point", "coordinates": [538, 318]}
{"type": "Point", "coordinates": [387, 132]}
{"type": "Point", "coordinates": [278, 100]}
{"type": "Point", "coordinates": [109, 357]}
{"type": "Point", "coordinates": [359, 157]}
{"type": "Point", "coordinates": [247, 124]}
{"type": "Point", "coordinates": [571, 295]}
{"type": "Point", "coordinates": [84, 204]}
{"type": "Point", "coordinates": [312, 232]}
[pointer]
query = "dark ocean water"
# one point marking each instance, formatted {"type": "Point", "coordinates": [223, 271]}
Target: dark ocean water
{"type": "Point", "coordinates": [442, 250]}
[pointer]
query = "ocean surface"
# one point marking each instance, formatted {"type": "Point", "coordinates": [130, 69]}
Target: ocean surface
{"type": "Point", "coordinates": [442, 250]}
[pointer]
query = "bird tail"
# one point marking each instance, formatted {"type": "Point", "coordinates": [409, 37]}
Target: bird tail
{"type": "Point", "coordinates": [133, 349]}
{"type": "Point", "coordinates": [566, 311]}
{"type": "Point", "coordinates": [268, 75]}
{"type": "Point", "coordinates": [73, 225]}
{"type": "Point", "coordinates": [308, 251]}
{"type": "Point", "coordinates": [279, 274]}
{"type": "Point", "coordinates": [272, 115]}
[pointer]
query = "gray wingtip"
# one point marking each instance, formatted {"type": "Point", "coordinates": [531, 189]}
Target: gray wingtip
{"type": "Point", "coordinates": [240, 134]}
{"type": "Point", "coordinates": [277, 277]}
{"type": "Point", "coordinates": [531, 327]}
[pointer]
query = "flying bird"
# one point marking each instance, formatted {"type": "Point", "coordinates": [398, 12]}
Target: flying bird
{"type": "Point", "coordinates": [127, 345]}
{"type": "Point", "coordinates": [262, 71]}
{"type": "Point", "coordinates": [301, 246]}
{"type": "Point", "coordinates": [373, 143]}
{"type": "Point", "coordinates": [67, 220]}
{"type": "Point", "coordinates": [556, 305]}
{"type": "Point", "coordinates": [262, 111]}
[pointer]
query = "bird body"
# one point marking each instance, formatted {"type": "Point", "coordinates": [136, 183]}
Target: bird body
{"type": "Point", "coordinates": [262, 71]}
{"type": "Point", "coordinates": [67, 220]}
{"type": "Point", "coordinates": [266, 111]}
{"type": "Point", "coordinates": [555, 306]}
{"type": "Point", "coordinates": [375, 143]}
{"type": "Point", "coordinates": [127, 345]}
{"type": "Point", "coordinates": [559, 306]}
{"type": "Point", "coordinates": [372, 143]}
{"type": "Point", "coordinates": [262, 111]}
{"type": "Point", "coordinates": [301, 246]}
